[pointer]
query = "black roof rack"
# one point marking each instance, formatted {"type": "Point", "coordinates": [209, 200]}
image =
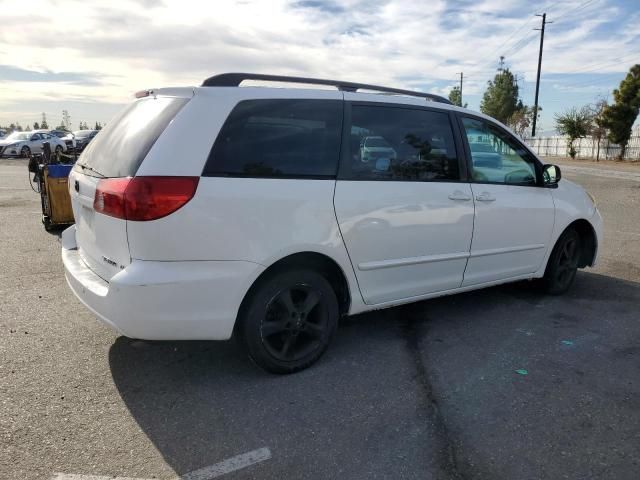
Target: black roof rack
{"type": "Point", "coordinates": [235, 79]}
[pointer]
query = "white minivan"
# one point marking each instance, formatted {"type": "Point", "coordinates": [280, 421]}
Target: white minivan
{"type": "Point", "coordinates": [222, 210]}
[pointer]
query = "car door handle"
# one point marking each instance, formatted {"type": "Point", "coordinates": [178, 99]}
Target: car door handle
{"type": "Point", "coordinates": [485, 197]}
{"type": "Point", "coordinates": [459, 195]}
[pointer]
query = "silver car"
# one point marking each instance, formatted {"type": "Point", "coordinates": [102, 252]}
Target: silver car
{"type": "Point", "coordinates": [23, 144]}
{"type": "Point", "coordinates": [374, 148]}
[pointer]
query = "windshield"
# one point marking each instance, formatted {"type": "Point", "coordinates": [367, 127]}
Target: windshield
{"type": "Point", "coordinates": [122, 145]}
{"type": "Point", "coordinates": [83, 133]}
{"type": "Point", "coordinates": [376, 142]}
{"type": "Point", "coordinates": [19, 136]}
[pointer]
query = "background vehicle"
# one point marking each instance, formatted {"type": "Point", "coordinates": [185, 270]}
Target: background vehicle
{"type": "Point", "coordinates": [279, 228]}
{"type": "Point", "coordinates": [373, 148]}
{"type": "Point", "coordinates": [82, 138]}
{"type": "Point", "coordinates": [23, 144]}
{"type": "Point", "coordinates": [67, 137]}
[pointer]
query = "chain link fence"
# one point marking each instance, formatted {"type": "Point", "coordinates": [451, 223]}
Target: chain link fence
{"type": "Point", "coordinates": [589, 147]}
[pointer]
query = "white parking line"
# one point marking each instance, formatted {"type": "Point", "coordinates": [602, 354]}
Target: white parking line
{"type": "Point", "coordinates": [230, 465]}
{"type": "Point", "coordinates": [73, 476]}
{"type": "Point", "coordinates": [207, 473]}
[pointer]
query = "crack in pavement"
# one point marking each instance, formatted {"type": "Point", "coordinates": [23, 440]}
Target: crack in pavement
{"type": "Point", "coordinates": [413, 330]}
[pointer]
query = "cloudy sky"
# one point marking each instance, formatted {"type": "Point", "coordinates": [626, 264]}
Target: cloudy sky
{"type": "Point", "coordinates": [89, 57]}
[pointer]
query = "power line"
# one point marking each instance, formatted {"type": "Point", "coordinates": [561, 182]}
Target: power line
{"type": "Point", "coordinates": [599, 81]}
{"type": "Point", "coordinates": [520, 45]}
{"type": "Point", "coordinates": [497, 49]}
{"type": "Point", "coordinates": [609, 63]}
{"type": "Point", "coordinates": [580, 7]}
{"type": "Point", "coordinates": [521, 27]}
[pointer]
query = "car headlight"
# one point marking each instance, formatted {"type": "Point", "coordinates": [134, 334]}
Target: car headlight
{"type": "Point", "coordinates": [593, 199]}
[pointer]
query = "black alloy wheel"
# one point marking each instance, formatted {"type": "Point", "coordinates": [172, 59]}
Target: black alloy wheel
{"type": "Point", "coordinates": [295, 323]}
{"type": "Point", "coordinates": [289, 320]}
{"type": "Point", "coordinates": [563, 263]}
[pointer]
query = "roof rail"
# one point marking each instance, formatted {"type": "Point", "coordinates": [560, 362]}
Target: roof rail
{"type": "Point", "coordinates": [235, 79]}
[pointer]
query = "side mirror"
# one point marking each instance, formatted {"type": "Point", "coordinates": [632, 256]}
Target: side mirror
{"type": "Point", "coordinates": [551, 175]}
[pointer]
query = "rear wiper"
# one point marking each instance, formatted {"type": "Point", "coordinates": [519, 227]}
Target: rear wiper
{"type": "Point", "coordinates": [91, 169]}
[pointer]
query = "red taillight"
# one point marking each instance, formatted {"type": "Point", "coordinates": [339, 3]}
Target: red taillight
{"type": "Point", "coordinates": [109, 198]}
{"type": "Point", "coordinates": [143, 198]}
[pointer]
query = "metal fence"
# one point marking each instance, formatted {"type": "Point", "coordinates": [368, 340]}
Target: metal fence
{"type": "Point", "coordinates": [588, 147]}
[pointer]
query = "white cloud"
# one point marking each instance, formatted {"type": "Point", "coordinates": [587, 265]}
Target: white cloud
{"type": "Point", "coordinates": [129, 45]}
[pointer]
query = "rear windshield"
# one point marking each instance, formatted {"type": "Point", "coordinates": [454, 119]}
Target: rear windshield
{"type": "Point", "coordinates": [123, 143]}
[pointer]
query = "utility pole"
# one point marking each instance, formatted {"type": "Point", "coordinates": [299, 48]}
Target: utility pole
{"type": "Point", "coordinates": [535, 105]}
{"type": "Point", "coordinates": [461, 75]}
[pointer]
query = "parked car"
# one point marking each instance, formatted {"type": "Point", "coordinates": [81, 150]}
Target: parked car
{"type": "Point", "coordinates": [82, 138]}
{"type": "Point", "coordinates": [23, 144]}
{"type": "Point", "coordinates": [67, 137]}
{"type": "Point", "coordinates": [374, 148]}
{"type": "Point", "coordinates": [222, 210]}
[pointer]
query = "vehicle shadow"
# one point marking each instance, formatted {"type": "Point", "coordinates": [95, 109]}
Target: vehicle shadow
{"type": "Point", "coordinates": [353, 412]}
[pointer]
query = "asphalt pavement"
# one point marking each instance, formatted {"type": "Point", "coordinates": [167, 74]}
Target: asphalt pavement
{"type": "Point", "coordinates": [503, 383]}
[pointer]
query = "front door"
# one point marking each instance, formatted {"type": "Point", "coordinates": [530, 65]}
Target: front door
{"type": "Point", "coordinates": [35, 144]}
{"type": "Point", "coordinates": [514, 213]}
{"type": "Point", "coordinates": [405, 216]}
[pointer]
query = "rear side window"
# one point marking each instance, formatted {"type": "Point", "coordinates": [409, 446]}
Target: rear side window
{"type": "Point", "coordinates": [279, 138]}
{"type": "Point", "coordinates": [123, 143]}
{"type": "Point", "coordinates": [401, 144]}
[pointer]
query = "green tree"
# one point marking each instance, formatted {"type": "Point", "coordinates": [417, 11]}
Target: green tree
{"type": "Point", "coordinates": [44, 125]}
{"type": "Point", "coordinates": [455, 98]}
{"type": "Point", "coordinates": [521, 119]}
{"type": "Point", "coordinates": [98, 126]}
{"type": "Point", "coordinates": [36, 126]}
{"type": "Point", "coordinates": [619, 118]}
{"type": "Point", "coordinates": [598, 128]}
{"type": "Point", "coordinates": [574, 123]}
{"type": "Point", "coordinates": [500, 100]}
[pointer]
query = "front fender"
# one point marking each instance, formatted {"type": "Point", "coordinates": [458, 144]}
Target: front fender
{"type": "Point", "coordinates": [572, 203]}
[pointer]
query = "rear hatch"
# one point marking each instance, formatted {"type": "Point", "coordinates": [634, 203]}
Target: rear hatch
{"type": "Point", "coordinates": [115, 153]}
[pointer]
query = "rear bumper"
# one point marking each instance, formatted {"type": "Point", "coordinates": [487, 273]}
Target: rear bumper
{"type": "Point", "coordinates": [195, 300]}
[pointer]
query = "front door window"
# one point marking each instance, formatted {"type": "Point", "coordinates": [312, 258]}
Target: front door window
{"type": "Point", "coordinates": [496, 157]}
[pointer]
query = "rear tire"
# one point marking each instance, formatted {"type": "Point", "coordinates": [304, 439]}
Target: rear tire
{"type": "Point", "coordinates": [289, 320]}
{"type": "Point", "coordinates": [563, 263]}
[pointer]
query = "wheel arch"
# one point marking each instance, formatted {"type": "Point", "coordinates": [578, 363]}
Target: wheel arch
{"type": "Point", "coordinates": [315, 261]}
{"type": "Point", "coordinates": [589, 241]}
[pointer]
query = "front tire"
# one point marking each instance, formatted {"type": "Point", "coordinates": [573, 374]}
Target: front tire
{"type": "Point", "coordinates": [58, 150]}
{"type": "Point", "coordinates": [563, 263]}
{"type": "Point", "coordinates": [25, 152]}
{"type": "Point", "coordinates": [289, 320]}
